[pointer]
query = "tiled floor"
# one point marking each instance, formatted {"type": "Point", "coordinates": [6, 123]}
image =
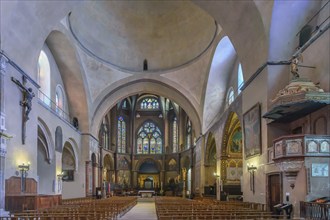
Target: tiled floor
{"type": "Point", "coordinates": [143, 210]}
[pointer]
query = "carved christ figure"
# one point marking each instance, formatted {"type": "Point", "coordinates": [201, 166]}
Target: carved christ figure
{"type": "Point", "coordinates": [27, 98]}
{"type": "Point", "coordinates": [26, 103]}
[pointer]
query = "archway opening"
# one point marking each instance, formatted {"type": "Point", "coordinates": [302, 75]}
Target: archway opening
{"type": "Point", "coordinates": [45, 169]}
{"type": "Point", "coordinates": [231, 158]}
{"type": "Point", "coordinates": [148, 177]}
{"type": "Point", "coordinates": [211, 173]}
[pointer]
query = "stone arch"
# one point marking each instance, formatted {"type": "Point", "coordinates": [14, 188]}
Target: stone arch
{"type": "Point", "coordinates": [75, 150]}
{"type": "Point", "coordinates": [111, 96]}
{"type": "Point", "coordinates": [210, 160]}
{"type": "Point", "coordinates": [249, 22]}
{"type": "Point", "coordinates": [231, 154]}
{"type": "Point", "coordinates": [216, 88]}
{"type": "Point", "coordinates": [66, 59]}
{"type": "Point", "coordinates": [46, 169]}
{"type": "Point", "coordinates": [108, 168]}
{"type": "Point", "coordinates": [156, 162]}
{"type": "Point", "coordinates": [69, 161]}
{"type": "Point", "coordinates": [44, 136]}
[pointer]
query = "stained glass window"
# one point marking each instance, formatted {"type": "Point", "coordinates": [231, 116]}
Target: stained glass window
{"type": "Point", "coordinates": [230, 96]}
{"type": "Point", "coordinates": [175, 135]}
{"type": "Point", "coordinates": [240, 79]}
{"type": "Point", "coordinates": [188, 137]}
{"type": "Point", "coordinates": [149, 104]}
{"type": "Point", "coordinates": [121, 137]}
{"type": "Point", "coordinates": [149, 139]}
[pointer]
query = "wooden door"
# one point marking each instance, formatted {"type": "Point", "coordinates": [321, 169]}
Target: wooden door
{"type": "Point", "coordinates": [274, 190]}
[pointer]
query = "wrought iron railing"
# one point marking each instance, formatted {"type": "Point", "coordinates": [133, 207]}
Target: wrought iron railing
{"type": "Point", "coordinates": [47, 102]}
{"type": "Point", "coordinates": [314, 210]}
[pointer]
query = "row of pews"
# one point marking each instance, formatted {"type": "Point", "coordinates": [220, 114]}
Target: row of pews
{"type": "Point", "coordinates": [168, 208]}
{"type": "Point", "coordinates": [80, 209]}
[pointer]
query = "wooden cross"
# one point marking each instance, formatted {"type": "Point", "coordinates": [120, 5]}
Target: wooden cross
{"type": "Point", "coordinates": [26, 103]}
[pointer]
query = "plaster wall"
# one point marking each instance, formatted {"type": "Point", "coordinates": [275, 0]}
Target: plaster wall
{"type": "Point", "coordinates": [317, 55]}
{"type": "Point", "coordinates": [18, 152]}
{"type": "Point", "coordinates": [317, 186]}
{"type": "Point", "coordinates": [46, 173]}
{"type": "Point", "coordinates": [253, 94]}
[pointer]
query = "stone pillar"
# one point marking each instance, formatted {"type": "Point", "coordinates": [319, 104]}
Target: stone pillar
{"type": "Point", "coordinates": [199, 166]}
{"type": "Point", "coordinates": [134, 181]}
{"type": "Point", "coordinates": [3, 147]}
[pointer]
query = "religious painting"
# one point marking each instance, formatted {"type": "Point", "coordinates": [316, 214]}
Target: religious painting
{"type": "Point", "coordinates": [235, 143]}
{"type": "Point", "coordinates": [172, 165]}
{"type": "Point", "coordinates": [252, 131]}
{"type": "Point", "coordinates": [123, 163]}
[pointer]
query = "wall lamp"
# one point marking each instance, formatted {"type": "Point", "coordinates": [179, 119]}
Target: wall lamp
{"type": "Point", "coordinates": [60, 176]}
{"type": "Point", "coordinates": [59, 181]}
{"type": "Point", "coordinates": [23, 168]}
{"type": "Point", "coordinates": [219, 181]}
{"type": "Point", "coordinates": [251, 168]}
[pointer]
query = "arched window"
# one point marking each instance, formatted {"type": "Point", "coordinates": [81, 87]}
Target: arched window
{"type": "Point", "coordinates": [149, 104]}
{"type": "Point", "coordinates": [121, 135]}
{"type": "Point", "coordinates": [175, 135]}
{"type": "Point", "coordinates": [230, 96]}
{"type": "Point", "coordinates": [149, 139]}
{"type": "Point", "coordinates": [44, 78]}
{"type": "Point", "coordinates": [188, 135]}
{"type": "Point", "coordinates": [104, 134]}
{"type": "Point", "coordinates": [240, 79]}
{"type": "Point", "coordinates": [124, 106]}
{"type": "Point", "coordinates": [59, 100]}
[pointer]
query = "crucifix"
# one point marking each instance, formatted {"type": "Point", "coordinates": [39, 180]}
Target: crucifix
{"type": "Point", "coordinates": [26, 103]}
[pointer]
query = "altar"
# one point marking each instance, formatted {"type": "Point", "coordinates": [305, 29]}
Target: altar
{"type": "Point", "coordinates": [146, 193]}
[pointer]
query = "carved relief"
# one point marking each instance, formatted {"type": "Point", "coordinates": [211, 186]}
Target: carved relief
{"type": "Point", "coordinates": [294, 146]}
{"type": "Point", "coordinates": [312, 147]}
{"type": "Point", "coordinates": [278, 149]}
{"type": "Point", "coordinates": [324, 147]}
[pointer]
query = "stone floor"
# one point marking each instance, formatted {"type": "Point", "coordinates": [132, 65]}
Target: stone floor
{"type": "Point", "coordinates": [143, 210]}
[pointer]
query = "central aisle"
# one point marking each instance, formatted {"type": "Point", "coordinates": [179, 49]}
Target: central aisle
{"type": "Point", "coordinates": [143, 210]}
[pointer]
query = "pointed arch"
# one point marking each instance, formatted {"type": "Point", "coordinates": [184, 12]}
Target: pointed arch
{"type": "Point", "coordinates": [231, 152]}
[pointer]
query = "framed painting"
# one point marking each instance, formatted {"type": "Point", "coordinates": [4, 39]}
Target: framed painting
{"type": "Point", "coordinates": [252, 131]}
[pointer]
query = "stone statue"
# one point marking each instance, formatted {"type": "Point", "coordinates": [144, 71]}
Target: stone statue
{"type": "Point", "coordinates": [104, 174]}
{"type": "Point", "coordinates": [294, 66]}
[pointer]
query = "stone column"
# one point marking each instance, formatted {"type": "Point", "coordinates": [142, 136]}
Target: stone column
{"type": "Point", "coordinates": [134, 181]}
{"type": "Point", "coordinates": [3, 147]}
{"type": "Point", "coordinates": [199, 166]}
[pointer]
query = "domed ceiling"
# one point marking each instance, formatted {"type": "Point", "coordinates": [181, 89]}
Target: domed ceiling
{"type": "Point", "coordinates": [167, 34]}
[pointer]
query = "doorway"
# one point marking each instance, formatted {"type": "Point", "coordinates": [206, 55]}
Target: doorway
{"type": "Point", "coordinates": [274, 190]}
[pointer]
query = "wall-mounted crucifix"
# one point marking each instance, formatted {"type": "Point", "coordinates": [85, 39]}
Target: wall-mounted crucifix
{"type": "Point", "coordinates": [26, 103]}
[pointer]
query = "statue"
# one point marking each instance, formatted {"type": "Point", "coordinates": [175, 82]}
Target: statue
{"type": "Point", "coordinates": [105, 174]}
{"type": "Point", "coordinates": [294, 66]}
{"type": "Point", "coordinates": [27, 97]}
{"type": "Point", "coordinates": [26, 103]}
